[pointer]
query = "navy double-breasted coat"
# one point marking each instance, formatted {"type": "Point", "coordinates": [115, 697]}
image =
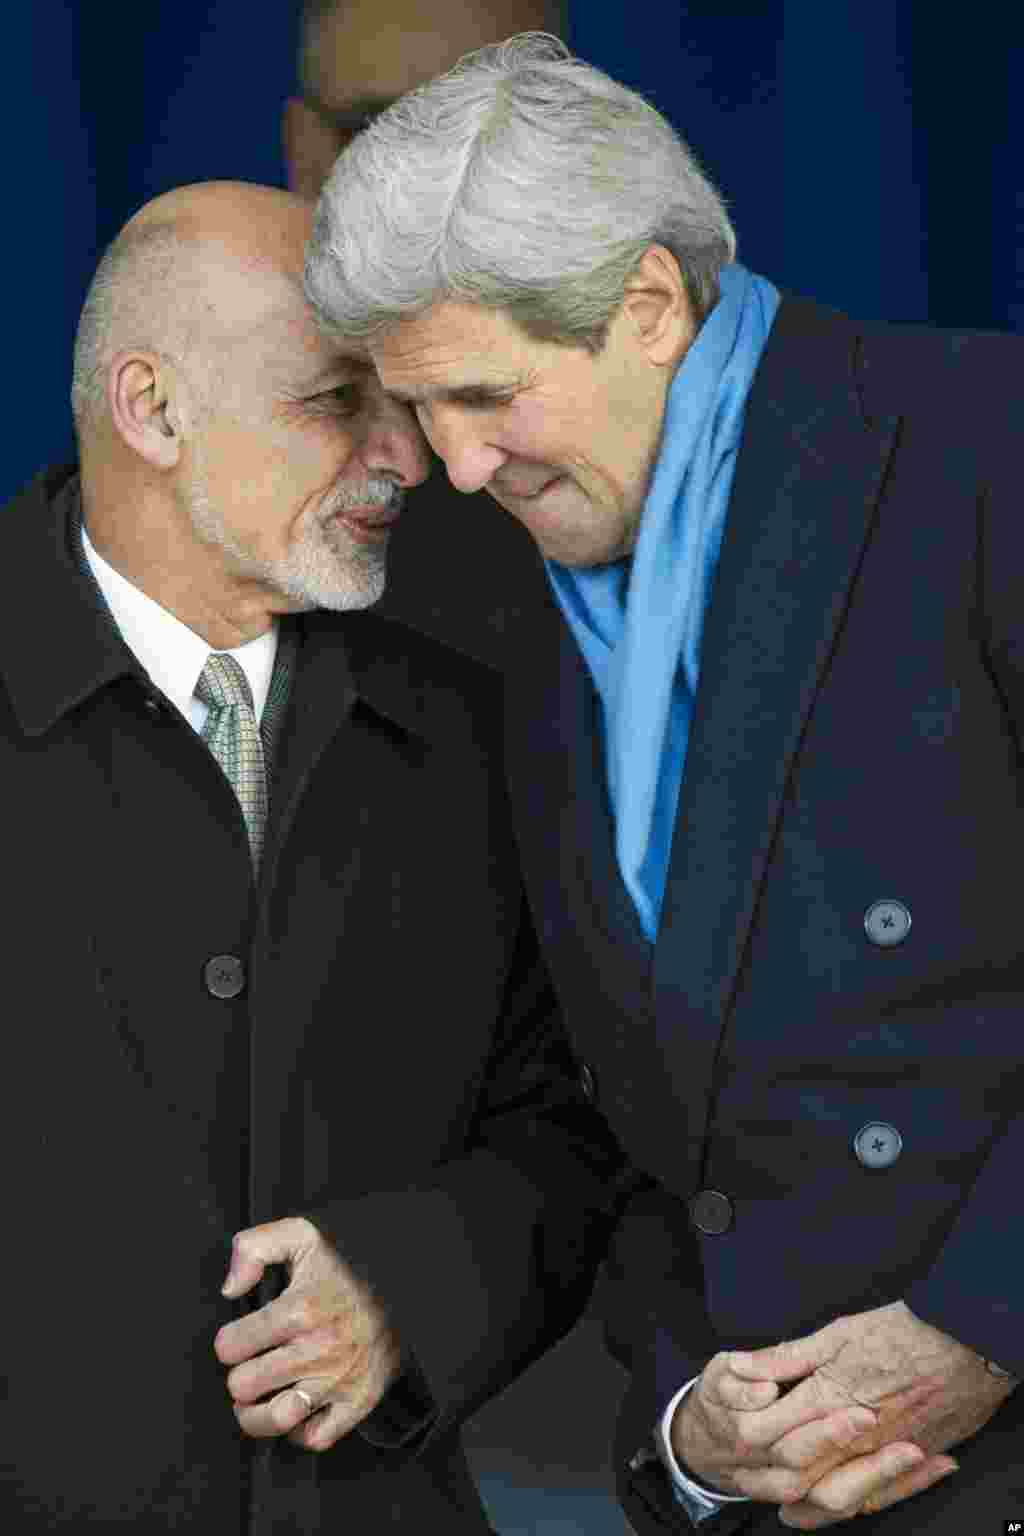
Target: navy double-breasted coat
{"type": "Point", "coordinates": [856, 741]}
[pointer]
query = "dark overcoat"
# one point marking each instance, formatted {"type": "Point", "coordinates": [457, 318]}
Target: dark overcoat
{"type": "Point", "coordinates": [366, 1038]}
{"type": "Point", "coordinates": [842, 941]}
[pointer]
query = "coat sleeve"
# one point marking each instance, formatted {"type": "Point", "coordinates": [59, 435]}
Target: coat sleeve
{"type": "Point", "coordinates": [972, 1291]}
{"type": "Point", "coordinates": [491, 1258]}
{"type": "Point", "coordinates": [651, 1303]}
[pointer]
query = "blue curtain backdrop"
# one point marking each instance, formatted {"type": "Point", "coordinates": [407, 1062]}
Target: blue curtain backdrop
{"type": "Point", "coordinates": [104, 107]}
{"type": "Point", "coordinates": [869, 152]}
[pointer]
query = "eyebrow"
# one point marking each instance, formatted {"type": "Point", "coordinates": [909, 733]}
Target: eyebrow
{"type": "Point", "coordinates": [342, 368]}
{"type": "Point", "coordinates": [452, 392]}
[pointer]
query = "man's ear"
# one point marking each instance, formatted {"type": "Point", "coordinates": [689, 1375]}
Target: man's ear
{"type": "Point", "coordinates": [144, 395]}
{"type": "Point", "coordinates": [658, 307]}
{"type": "Point", "coordinates": [311, 145]}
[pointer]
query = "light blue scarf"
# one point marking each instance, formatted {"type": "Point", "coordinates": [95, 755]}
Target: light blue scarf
{"type": "Point", "coordinates": [639, 622]}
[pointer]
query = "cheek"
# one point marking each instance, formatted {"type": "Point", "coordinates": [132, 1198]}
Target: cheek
{"type": "Point", "coordinates": [538, 430]}
{"type": "Point", "coordinates": [262, 482]}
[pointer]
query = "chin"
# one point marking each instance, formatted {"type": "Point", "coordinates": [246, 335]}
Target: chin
{"type": "Point", "coordinates": [581, 534]}
{"type": "Point", "coordinates": [360, 591]}
{"type": "Point", "coordinates": [579, 550]}
{"type": "Point", "coordinates": [583, 562]}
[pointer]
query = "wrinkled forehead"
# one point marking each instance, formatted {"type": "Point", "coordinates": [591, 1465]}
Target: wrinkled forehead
{"type": "Point", "coordinates": [449, 343]}
{"type": "Point", "coordinates": [256, 316]}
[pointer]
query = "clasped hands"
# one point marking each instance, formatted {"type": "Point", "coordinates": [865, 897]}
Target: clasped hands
{"type": "Point", "coordinates": [875, 1400]}
{"type": "Point", "coordinates": [314, 1362]}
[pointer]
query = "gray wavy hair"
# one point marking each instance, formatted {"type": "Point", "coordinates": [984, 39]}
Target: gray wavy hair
{"type": "Point", "coordinates": [524, 180]}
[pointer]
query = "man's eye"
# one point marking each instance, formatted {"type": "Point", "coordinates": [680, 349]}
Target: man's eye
{"type": "Point", "coordinates": [483, 402]}
{"type": "Point", "coordinates": [343, 397]}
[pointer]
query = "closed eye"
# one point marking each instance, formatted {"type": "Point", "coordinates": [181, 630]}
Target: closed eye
{"type": "Point", "coordinates": [480, 402]}
{"type": "Point", "coordinates": [343, 398]}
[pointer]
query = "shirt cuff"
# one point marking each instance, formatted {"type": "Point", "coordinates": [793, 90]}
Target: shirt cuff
{"type": "Point", "coordinates": [700, 1503]}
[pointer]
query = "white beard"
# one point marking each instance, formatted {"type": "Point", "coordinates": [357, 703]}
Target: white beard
{"type": "Point", "coordinates": [324, 567]}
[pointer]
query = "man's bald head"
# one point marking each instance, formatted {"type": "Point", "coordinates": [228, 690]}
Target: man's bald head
{"type": "Point", "coordinates": [193, 271]}
{"type": "Point", "coordinates": [236, 463]}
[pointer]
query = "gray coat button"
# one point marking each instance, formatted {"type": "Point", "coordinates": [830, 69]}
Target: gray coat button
{"type": "Point", "coordinates": [887, 922]}
{"type": "Point", "coordinates": [224, 976]}
{"type": "Point", "coordinates": [711, 1212]}
{"type": "Point", "coordinates": [877, 1145]}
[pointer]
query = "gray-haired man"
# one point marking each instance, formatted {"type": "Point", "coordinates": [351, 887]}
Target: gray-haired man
{"type": "Point", "coordinates": [767, 777]}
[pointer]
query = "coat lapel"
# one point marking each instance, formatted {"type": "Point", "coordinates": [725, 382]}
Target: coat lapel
{"type": "Point", "coordinates": [349, 666]}
{"type": "Point", "coordinates": [323, 695]}
{"type": "Point", "coordinates": [808, 477]}
{"type": "Point", "coordinates": [589, 928]}
{"type": "Point", "coordinates": [556, 775]}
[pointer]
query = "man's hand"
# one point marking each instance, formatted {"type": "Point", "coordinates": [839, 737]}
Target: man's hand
{"type": "Point", "coordinates": [929, 1393]}
{"type": "Point", "coordinates": [742, 1436]}
{"type": "Point", "coordinates": [326, 1335]}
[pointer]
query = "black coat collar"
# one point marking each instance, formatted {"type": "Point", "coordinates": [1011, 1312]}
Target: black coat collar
{"type": "Point", "coordinates": [58, 647]}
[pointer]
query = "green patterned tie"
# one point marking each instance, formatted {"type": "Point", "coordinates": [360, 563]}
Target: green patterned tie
{"type": "Point", "coordinates": [232, 735]}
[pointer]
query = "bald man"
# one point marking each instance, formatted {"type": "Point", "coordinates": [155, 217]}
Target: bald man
{"type": "Point", "coordinates": [299, 1167]}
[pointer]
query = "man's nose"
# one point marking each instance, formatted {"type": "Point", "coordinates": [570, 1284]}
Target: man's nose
{"type": "Point", "coordinates": [395, 444]}
{"type": "Point", "coordinates": [471, 462]}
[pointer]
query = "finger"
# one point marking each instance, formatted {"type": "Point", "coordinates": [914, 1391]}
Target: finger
{"type": "Point", "coordinates": [925, 1476]}
{"type": "Point", "coordinates": [902, 1413]}
{"type": "Point", "coordinates": [331, 1424]}
{"type": "Point", "coordinates": [804, 1517]}
{"type": "Point", "coordinates": [283, 1413]}
{"type": "Point", "coordinates": [313, 1354]}
{"type": "Point", "coordinates": [280, 1321]}
{"type": "Point", "coordinates": [276, 1242]}
{"type": "Point", "coordinates": [842, 1493]}
{"type": "Point", "coordinates": [816, 1398]}
{"type": "Point", "coordinates": [787, 1361]}
{"type": "Point", "coordinates": [350, 1401]}
{"type": "Point", "coordinates": [824, 1439]}
{"type": "Point", "coordinates": [806, 1456]}
{"type": "Point", "coordinates": [740, 1396]}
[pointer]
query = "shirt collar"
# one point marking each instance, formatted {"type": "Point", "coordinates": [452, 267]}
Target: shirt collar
{"type": "Point", "coordinates": [171, 653]}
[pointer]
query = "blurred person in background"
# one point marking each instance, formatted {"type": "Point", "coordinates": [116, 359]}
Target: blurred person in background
{"type": "Point", "coordinates": [356, 59]}
{"type": "Point", "coordinates": [275, 1005]}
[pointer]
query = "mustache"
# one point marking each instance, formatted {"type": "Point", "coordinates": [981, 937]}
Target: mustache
{"type": "Point", "coordinates": [373, 492]}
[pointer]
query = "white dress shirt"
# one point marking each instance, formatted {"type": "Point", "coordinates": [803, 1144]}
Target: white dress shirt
{"type": "Point", "coordinates": [169, 651]}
